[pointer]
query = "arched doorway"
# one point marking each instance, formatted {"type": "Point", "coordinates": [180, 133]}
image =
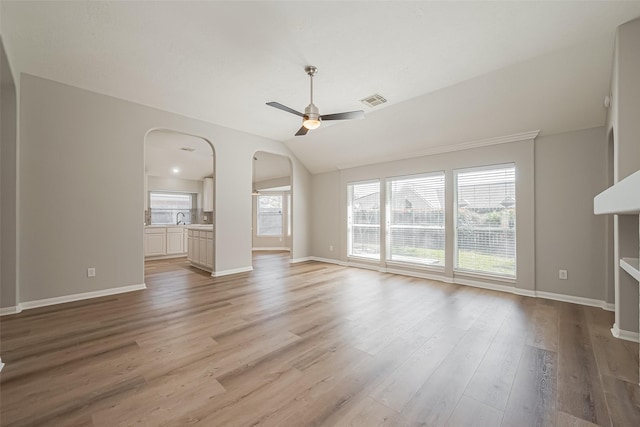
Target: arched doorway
{"type": "Point", "coordinates": [179, 192]}
{"type": "Point", "coordinates": [272, 203]}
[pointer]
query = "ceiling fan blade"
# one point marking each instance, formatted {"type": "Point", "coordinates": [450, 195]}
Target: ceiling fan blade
{"type": "Point", "coordinates": [302, 131]}
{"type": "Point", "coordinates": [284, 108]}
{"type": "Point", "coordinates": [344, 116]}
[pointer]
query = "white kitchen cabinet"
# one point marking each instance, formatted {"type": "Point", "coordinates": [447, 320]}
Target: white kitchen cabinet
{"type": "Point", "coordinates": [165, 242]}
{"type": "Point", "coordinates": [155, 242]}
{"type": "Point", "coordinates": [175, 240]}
{"type": "Point", "coordinates": [185, 241]}
{"type": "Point", "coordinates": [207, 195]}
{"type": "Point", "coordinates": [200, 247]}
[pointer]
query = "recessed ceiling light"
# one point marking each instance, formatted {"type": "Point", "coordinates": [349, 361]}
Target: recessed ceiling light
{"type": "Point", "coordinates": [175, 170]}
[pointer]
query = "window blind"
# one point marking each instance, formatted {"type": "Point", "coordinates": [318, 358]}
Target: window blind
{"type": "Point", "coordinates": [486, 220]}
{"type": "Point", "coordinates": [363, 216]}
{"type": "Point", "coordinates": [269, 215]}
{"type": "Point", "coordinates": [415, 219]}
{"type": "Point", "coordinates": [165, 207]}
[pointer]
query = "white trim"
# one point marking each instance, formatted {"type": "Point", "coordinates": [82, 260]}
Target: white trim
{"type": "Point", "coordinates": [479, 284]}
{"type": "Point", "coordinates": [5, 311]}
{"type": "Point", "coordinates": [1, 364]}
{"type": "Point", "coordinates": [232, 271]}
{"type": "Point", "coordinates": [271, 248]}
{"type": "Point", "coordinates": [325, 260]}
{"type": "Point", "coordinates": [77, 297]}
{"type": "Point", "coordinates": [297, 260]}
{"type": "Point", "coordinates": [449, 148]}
{"type": "Point", "coordinates": [624, 335]}
{"type": "Point", "coordinates": [576, 300]}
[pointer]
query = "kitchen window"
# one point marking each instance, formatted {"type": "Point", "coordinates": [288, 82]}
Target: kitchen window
{"type": "Point", "coordinates": [171, 208]}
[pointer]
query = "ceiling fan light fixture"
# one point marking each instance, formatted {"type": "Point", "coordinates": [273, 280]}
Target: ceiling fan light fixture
{"type": "Point", "coordinates": [311, 124]}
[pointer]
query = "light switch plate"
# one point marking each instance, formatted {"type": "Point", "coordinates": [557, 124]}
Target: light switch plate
{"type": "Point", "coordinates": [91, 272]}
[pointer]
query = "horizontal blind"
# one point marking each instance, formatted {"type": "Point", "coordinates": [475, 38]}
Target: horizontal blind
{"type": "Point", "coordinates": [415, 219]}
{"type": "Point", "coordinates": [363, 218]}
{"type": "Point", "coordinates": [269, 215]}
{"type": "Point", "coordinates": [486, 220]}
{"type": "Point", "coordinates": [165, 207]}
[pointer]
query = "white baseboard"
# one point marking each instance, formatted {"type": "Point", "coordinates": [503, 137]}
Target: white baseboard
{"type": "Point", "coordinates": [5, 311]}
{"type": "Point", "coordinates": [297, 260]}
{"type": "Point", "coordinates": [326, 260]}
{"type": "Point", "coordinates": [77, 297]}
{"type": "Point", "coordinates": [478, 284]}
{"type": "Point", "coordinates": [576, 300]}
{"type": "Point", "coordinates": [625, 335]}
{"type": "Point", "coordinates": [271, 248]}
{"type": "Point", "coordinates": [232, 271]}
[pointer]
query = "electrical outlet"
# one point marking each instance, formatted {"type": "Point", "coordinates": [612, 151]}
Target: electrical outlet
{"type": "Point", "coordinates": [91, 272]}
{"type": "Point", "coordinates": [562, 274]}
{"type": "Point", "coordinates": [330, 248]}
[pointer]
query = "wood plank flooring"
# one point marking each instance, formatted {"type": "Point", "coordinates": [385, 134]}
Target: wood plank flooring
{"type": "Point", "coordinates": [314, 344]}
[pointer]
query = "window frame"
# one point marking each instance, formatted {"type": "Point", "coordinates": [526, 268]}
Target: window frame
{"type": "Point", "coordinates": [282, 213]}
{"type": "Point", "coordinates": [388, 217]}
{"type": "Point", "coordinates": [480, 273]}
{"type": "Point", "coordinates": [187, 212]}
{"type": "Point", "coordinates": [360, 257]}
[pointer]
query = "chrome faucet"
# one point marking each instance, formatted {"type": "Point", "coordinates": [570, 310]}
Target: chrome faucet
{"type": "Point", "coordinates": [178, 218]}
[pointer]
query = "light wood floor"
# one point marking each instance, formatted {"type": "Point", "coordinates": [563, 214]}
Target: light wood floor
{"type": "Point", "coordinates": [314, 344]}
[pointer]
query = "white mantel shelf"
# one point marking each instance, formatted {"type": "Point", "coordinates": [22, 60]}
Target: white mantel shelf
{"type": "Point", "coordinates": [622, 198]}
{"type": "Point", "coordinates": [631, 266]}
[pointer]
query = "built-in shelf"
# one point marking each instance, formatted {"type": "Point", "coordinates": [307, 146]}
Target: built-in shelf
{"type": "Point", "coordinates": [622, 198]}
{"type": "Point", "coordinates": [631, 266]}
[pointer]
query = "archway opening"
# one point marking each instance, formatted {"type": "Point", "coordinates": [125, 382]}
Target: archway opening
{"type": "Point", "coordinates": [272, 206]}
{"type": "Point", "coordinates": [179, 205]}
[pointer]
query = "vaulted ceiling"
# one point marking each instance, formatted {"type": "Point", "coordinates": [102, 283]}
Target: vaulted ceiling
{"type": "Point", "coordinates": [452, 72]}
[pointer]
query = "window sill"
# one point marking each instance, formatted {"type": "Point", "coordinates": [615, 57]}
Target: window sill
{"type": "Point", "coordinates": [484, 276]}
{"type": "Point", "coordinates": [416, 266]}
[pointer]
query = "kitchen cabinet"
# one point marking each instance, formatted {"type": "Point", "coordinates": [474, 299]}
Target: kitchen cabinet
{"type": "Point", "coordinates": [155, 241]}
{"type": "Point", "coordinates": [175, 240]}
{"type": "Point", "coordinates": [165, 242]}
{"type": "Point", "coordinates": [200, 248]}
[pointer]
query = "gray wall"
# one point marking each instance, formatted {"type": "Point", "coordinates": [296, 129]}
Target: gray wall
{"type": "Point", "coordinates": [329, 202]}
{"type": "Point", "coordinates": [81, 162]}
{"type": "Point", "coordinates": [8, 159]}
{"type": "Point", "coordinates": [571, 168]}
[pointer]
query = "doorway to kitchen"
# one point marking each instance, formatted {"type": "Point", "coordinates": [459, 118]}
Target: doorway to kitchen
{"type": "Point", "coordinates": [179, 205]}
{"type": "Point", "coordinates": [272, 206]}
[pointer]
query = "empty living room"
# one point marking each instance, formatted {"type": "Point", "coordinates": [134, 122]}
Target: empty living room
{"type": "Point", "coordinates": [333, 213]}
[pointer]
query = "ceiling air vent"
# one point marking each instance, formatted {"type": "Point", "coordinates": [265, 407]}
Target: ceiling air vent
{"type": "Point", "coordinates": [187, 149]}
{"type": "Point", "coordinates": [373, 100]}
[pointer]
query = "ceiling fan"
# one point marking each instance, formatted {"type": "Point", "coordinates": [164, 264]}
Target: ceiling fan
{"type": "Point", "coordinates": [311, 118]}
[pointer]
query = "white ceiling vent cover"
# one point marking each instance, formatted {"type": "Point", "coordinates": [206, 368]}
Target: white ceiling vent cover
{"type": "Point", "coordinates": [373, 100]}
{"type": "Point", "coordinates": [187, 149]}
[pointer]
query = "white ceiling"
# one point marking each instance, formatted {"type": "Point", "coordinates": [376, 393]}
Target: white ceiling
{"type": "Point", "coordinates": [162, 153]}
{"type": "Point", "coordinates": [452, 71]}
{"type": "Point", "coordinates": [269, 166]}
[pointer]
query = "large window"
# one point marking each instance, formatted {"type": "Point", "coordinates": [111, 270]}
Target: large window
{"type": "Point", "coordinates": [486, 220]}
{"type": "Point", "coordinates": [415, 219]}
{"type": "Point", "coordinates": [363, 216]}
{"type": "Point", "coordinates": [171, 208]}
{"type": "Point", "coordinates": [269, 215]}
